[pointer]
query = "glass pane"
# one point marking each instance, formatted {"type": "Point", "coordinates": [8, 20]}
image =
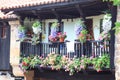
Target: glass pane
{"type": "Point", "coordinates": [3, 32]}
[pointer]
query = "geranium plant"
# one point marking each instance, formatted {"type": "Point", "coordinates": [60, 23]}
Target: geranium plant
{"type": "Point", "coordinates": [53, 60]}
{"type": "Point", "coordinates": [57, 62]}
{"type": "Point", "coordinates": [29, 62]}
{"type": "Point", "coordinates": [62, 35]}
{"type": "Point", "coordinates": [82, 35]}
{"type": "Point", "coordinates": [101, 62]}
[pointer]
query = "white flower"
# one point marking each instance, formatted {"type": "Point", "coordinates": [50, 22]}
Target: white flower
{"type": "Point", "coordinates": [37, 30]}
{"type": "Point", "coordinates": [107, 22]}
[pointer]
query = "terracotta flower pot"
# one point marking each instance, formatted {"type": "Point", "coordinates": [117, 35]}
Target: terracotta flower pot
{"type": "Point", "coordinates": [61, 39]}
{"type": "Point", "coordinates": [29, 75]}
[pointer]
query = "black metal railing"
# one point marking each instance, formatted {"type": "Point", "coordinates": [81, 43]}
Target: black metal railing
{"type": "Point", "coordinates": [90, 48]}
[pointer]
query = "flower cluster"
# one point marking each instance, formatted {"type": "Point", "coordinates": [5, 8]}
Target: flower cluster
{"type": "Point", "coordinates": [53, 35]}
{"type": "Point", "coordinates": [57, 62]}
{"type": "Point", "coordinates": [106, 27]}
{"type": "Point", "coordinates": [80, 31]}
{"type": "Point", "coordinates": [107, 22]}
{"type": "Point", "coordinates": [104, 35]}
{"type": "Point", "coordinates": [79, 26]}
{"type": "Point", "coordinates": [29, 62]}
{"type": "Point", "coordinates": [21, 33]}
{"type": "Point", "coordinates": [82, 35]}
{"type": "Point", "coordinates": [62, 35]}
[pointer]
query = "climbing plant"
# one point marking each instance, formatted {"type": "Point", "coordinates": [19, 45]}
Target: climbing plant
{"type": "Point", "coordinates": [115, 2]}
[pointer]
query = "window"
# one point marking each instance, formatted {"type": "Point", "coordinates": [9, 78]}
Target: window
{"type": "Point", "coordinates": [3, 32]}
{"type": "Point", "coordinates": [59, 29]}
{"type": "Point", "coordinates": [101, 30]}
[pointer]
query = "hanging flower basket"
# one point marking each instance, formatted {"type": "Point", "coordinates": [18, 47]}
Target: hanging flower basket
{"type": "Point", "coordinates": [106, 27]}
{"type": "Point", "coordinates": [21, 33]}
{"type": "Point", "coordinates": [80, 31]}
{"type": "Point", "coordinates": [37, 27]}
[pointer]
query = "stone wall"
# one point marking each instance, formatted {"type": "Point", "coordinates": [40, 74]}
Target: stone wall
{"type": "Point", "coordinates": [15, 53]}
{"type": "Point", "coordinates": [117, 50]}
{"type": "Point", "coordinates": [15, 48]}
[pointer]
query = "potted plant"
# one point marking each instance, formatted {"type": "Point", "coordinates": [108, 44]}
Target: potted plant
{"type": "Point", "coordinates": [26, 65]}
{"type": "Point", "coordinates": [37, 27]}
{"type": "Point", "coordinates": [62, 36]}
{"type": "Point", "coordinates": [55, 61]}
{"type": "Point", "coordinates": [82, 35]}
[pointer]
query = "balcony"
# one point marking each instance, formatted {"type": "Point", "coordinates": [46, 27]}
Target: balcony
{"type": "Point", "coordinates": [90, 48]}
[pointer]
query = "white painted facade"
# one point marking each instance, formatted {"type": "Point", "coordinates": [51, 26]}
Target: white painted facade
{"type": "Point", "coordinates": [69, 27]}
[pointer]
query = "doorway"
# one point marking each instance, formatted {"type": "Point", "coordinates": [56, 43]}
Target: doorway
{"type": "Point", "coordinates": [4, 46]}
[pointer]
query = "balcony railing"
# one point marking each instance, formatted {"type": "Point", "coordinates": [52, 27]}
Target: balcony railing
{"type": "Point", "coordinates": [90, 48]}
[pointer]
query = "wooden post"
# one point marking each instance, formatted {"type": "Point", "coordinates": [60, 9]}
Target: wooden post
{"type": "Point", "coordinates": [59, 22]}
{"type": "Point", "coordinates": [112, 39]}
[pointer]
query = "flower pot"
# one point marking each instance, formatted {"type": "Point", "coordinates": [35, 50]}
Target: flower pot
{"type": "Point", "coordinates": [61, 39]}
{"type": "Point", "coordinates": [29, 75]}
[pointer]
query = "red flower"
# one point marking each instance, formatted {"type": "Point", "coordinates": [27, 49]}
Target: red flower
{"type": "Point", "coordinates": [99, 70]}
{"type": "Point", "coordinates": [24, 64]}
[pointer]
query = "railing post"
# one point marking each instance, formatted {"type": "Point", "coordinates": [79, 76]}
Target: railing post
{"type": "Point", "coordinates": [58, 47]}
{"type": "Point", "coordinates": [82, 49]}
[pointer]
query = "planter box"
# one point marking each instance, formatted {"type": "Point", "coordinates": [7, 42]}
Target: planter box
{"type": "Point", "coordinates": [29, 75]}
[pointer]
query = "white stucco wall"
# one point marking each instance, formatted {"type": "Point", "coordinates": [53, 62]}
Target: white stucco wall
{"type": "Point", "coordinates": [69, 27]}
{"type": "Point", "coordinates": [96, 26]}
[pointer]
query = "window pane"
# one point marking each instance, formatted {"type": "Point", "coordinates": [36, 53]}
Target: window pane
{"type": "Point", "coordinates": [3, 32]}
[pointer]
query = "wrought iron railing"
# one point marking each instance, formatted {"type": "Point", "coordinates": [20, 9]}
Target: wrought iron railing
{"type": "Point", "coordinates": [90, 48]}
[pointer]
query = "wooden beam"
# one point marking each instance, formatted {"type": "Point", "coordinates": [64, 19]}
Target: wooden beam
{"type": "Point", "coordinates": [22, 20]}
{"type": "Point", "coordinates": [36, 14]}
{"type": "Point", "coordinates": [81, 12]}
{"type": "Point", "coordinates": [55, 13]}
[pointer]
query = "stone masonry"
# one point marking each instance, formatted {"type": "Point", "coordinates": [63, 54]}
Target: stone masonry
{"type": "Point", "coordinates": [117, 50]}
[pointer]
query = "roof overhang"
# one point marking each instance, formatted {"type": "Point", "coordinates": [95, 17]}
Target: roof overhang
{"type": "Point", "coordinates": [71, 9]}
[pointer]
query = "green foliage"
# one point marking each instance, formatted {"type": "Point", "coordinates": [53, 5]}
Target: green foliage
{"type": "Point", "coordinates": [82, 36]}
{"type": "Point", "coordinates": [117, 27]}
{"type": "Point", "coordinates": [80, 22]}
{"type": "Point", "coordinates": [36, 24]}
{"type": "Point", "coordinates": [101, 62]}
{"type": "Point", "coordinates": [29, 62]}
{"type": "Point", "coordinates": [35, 60]}
{"type": "Point", "coordinates": [53, 60]}
{"type": "Point", "coordinates": [35, 39]}
{"type": "Point", "coordinates": [57, 62]}
{"type": "Point", "coordinates": [115, 2]}
{"type": "Point", "coordinates": [21, 28]}
{"type": "Point", "coordinates": [54, 25]}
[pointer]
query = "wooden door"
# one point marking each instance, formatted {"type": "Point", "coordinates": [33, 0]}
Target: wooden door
{"type": "Point", "coordinates": [4, 46]}
{"type": "Point", "coordinates": [89, 26]}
